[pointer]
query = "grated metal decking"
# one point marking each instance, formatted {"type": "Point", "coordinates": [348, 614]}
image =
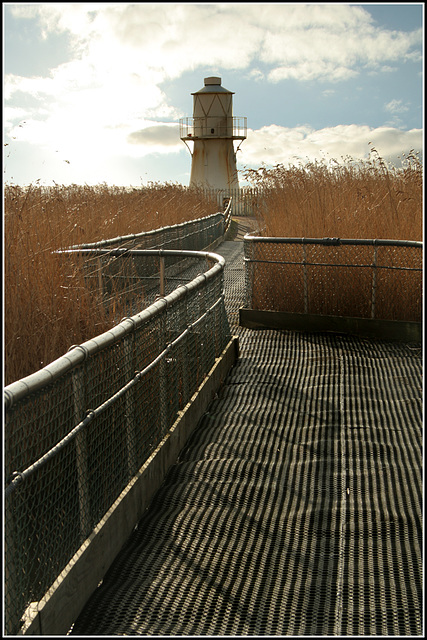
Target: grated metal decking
{"type": "Point", "coordinates": [294, 509]}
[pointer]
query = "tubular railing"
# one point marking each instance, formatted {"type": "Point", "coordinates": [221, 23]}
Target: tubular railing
{"type": "Point", "coordinates": [375, 279]}
{"type": "Point", "coordinates": [188, 236]}
{"type": "Point", "coordinates": [78, 430]}
{"type": "Point", "coordinates": [191, 128]}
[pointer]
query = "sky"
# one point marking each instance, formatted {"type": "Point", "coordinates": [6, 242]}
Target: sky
{"type": "Point", "coordinates": [93, 92]}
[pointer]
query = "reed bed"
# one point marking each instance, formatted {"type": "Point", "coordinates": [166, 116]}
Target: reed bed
{"type": "Point", "coordinates": [348, 200]}
{"type": "Point", "coordinates": [48, 305]}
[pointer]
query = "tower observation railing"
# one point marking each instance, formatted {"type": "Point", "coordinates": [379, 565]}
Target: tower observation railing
{"type": "Point", "coordinates": [79, 429]}
{"type": "Point", "coordinates": [234, 127]}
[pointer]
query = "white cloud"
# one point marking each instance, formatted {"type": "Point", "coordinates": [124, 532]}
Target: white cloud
{"type": "Point", "coordinates": [124, 51]}
{"type": "Point", "coordinates": [312, 70]}
{"type": "Point", "coordinates": [104, 101]}
{"type": "Point", "coordinates": [396, 106]}
{"type": "Point", "coordinates": [331, 42]}
{"type": "Point", "coordinates": [157, 138]}
{"type": "Point", "coordinates": [14, 115]}
{"type": "Point", "coordinates": [162, 40]}
{"type": "Point", "coordinates": [273, 144]}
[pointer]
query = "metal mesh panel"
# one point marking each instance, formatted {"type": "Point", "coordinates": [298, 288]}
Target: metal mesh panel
{"type": "Point", "coordinates": [42, 529]}
{"type": "Point", "coordinates": [126, 281]}
{"type": "Point", "coordinates": [399, 283]}
{"type": "Point", "coordinates": [25, 435]}
{"type": "Point", "coordinates": [365, 279]}
{"type": "Point", "coordinates": [246, 201]}
{"type": "Point", "coordinates": [72, 445]}
{"type": "Point", "coordinates": [190, 236]}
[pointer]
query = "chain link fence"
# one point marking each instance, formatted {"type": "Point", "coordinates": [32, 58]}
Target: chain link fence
{"type": "Point", "coordinates": [376, 279]}
{"type": "Point", "coordinates": [77, 431]}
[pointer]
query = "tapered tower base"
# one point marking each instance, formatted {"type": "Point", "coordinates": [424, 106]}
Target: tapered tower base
{"type": "Point", "coordinates": [212, 131]}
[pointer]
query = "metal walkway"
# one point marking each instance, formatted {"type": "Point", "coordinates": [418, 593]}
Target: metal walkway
{"type": "Point", "coordinates": [295, 508]}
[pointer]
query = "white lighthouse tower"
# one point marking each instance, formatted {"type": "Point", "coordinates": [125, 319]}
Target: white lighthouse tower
{"type": "Point", "coordinates": [212, 131]}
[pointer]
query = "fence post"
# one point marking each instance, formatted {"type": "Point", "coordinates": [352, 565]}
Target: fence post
{"type": "Point", "coordinates": [130, 404]}
{"type": "Point", "coordinates": [78, 376]}
{"type": "Point", "coordinates": [203, 334]}
{"type": "Point", "coordinates": [163, 394]}
{"type": "Point", "coordinates": [100, 283]}
{"type": "Point", "coordinates": [185, 369]}
{"type": "Point", "coordinates": [374, 281]}
{"type": "Point", "coordinates": [162, 276]}
{"type": "Point", "coordinates": [304, 260]}
{"type": "Point", "coordinates": [249, 273]}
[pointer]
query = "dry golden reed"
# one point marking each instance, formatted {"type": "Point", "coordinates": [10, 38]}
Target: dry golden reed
{"type": "Point", "coordinates": [351, 199]}
{"type": "Point", "coordinates": [48, 306]}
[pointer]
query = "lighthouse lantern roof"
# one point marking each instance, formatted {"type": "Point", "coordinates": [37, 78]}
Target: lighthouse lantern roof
{"type": "Point", "coordinates": [212, 85]}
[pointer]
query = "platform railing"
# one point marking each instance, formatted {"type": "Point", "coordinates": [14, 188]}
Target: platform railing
{"type": "Point", "coordinates": [313, 278]}
{"type": "Point", "coordinates": [79, 429]}
{"type": "Point", "coordinates": [192, 128]}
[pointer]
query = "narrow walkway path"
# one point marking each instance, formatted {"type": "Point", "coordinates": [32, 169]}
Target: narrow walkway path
{"type": "Point", "coordinates": [294, 509]}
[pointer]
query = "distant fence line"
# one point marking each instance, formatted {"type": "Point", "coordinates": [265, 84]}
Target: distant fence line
{"type": "Point", "coordinates": [186, 236]}
{"type": "Point", "coordinates": [245, 200]}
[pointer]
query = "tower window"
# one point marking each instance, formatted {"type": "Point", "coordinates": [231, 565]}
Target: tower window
{"type": "Point", "coordinates": [212, 130]}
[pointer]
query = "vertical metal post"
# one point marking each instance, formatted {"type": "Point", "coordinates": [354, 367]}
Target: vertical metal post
{"type": "Point", "coordinates": [162, 276]}
{"type": "Point", "coordinates": [374, 281]}
{"type": "Point", "coordinates": [82, 453]}
{"type": "Point", "coordinates": [247, 247]}
{"type": "Point", "coordinates": [304, 260]}
{"type": "Point", "coordinates": [163, 380]}
{"type": "Point", "coordinates": [100, 284]}
{"type": "Point", "coordinates": [216, 328]}
{"type": "Point", "coordinates": [202, 332]}
{"type": "Point", "coordinates": [130, 406]}
{"type": "Point", "coordinates": [185, 369]}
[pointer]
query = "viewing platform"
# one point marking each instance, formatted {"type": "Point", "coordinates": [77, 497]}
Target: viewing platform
{"type": "Point", "coordinates": [295, 506]}
{"type": "Point", "coordinates": [208, 127]}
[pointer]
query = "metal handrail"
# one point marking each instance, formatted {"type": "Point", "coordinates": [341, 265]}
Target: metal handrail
{"type": "Point", "coordinates": [234, 127]}
{"type": "Point", "coordinates": [77, 354]}
{"type": "Point", "coordinates": [18, 477]}
{"type": "Point", "coordinates": [371, 263]}
{"type": "Point", "coordinates": [146, 234]}
{"type": "Point", "coordinates": [334, 241]}
{"type": "Point", "coordinates": [63, 405]}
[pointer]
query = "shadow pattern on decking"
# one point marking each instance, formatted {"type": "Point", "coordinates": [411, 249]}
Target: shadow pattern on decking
{"type": "Point", "coordinates": [295, 507]}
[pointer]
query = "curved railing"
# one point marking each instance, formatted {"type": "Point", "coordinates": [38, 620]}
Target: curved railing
{"type": "Point", "coordinates": [79, 429]}
{"type": "Point", "coordinates": [188, 236]}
